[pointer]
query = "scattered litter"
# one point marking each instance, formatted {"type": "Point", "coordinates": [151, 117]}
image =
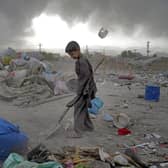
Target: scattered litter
{"type": "Point", "coordinates": [98, 164]}
{"type": "Point", "coordinates": [127, 77]}
{"type": "Point", "coordinates": [152, 93]}
{"type": "Point", "coordinates": [121, 120]}
{"type": "Point", "coordinates": [103, 155]}
{"type": "Point", "coordinates": [15, 160]}
{"type": "Point", "coordinates": [39, 154]}
{"type": "Point", "coordinates": [135, 158]}
{"type": "Point", "coordinates": [107, 117]}
{"type": "Point", "coordinates": [120, 160]}
{"type": "Point", "coordinates": [125, 105]}
{"type": "Point", "coordinates": [69, 164]}
{"type": "Point", "coordinates": [140, 96]}
{"type": "Point", "coordinates": [96, 105]}
{"type": "Point", "coordinates": [116, 84]}
{"type": "Point", "coordinates": [60, 88]}
{"type": "Point", "coordinates": [164, 164]}
{"type": "Point", "coordinates": [124, 131]}
{"type": "Point", "coordinates": [152, 136]}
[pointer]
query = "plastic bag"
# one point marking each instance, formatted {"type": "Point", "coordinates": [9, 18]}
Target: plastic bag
{"type": "Point", "coordinates": [16, 161]}
{"type": "Point", "coordinates": [103, 33]}
{"type": "Point", "coordinates": [18, 74]}
{"type": "Point", "coordinates": [13, 160]}
{"type": "Point", "coordinates": [60, 87]}
{"type": "Point", "coordinates": [11, 139]}
{"type": "Point", "coordinates": [97, 104]}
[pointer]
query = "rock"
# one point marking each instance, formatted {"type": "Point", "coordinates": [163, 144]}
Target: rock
{"type": "Point", "coordinates": [125, 105]}
{"type": "Point", "coordinates": [119, 159]}
{"type": "Point", "coordinates": [140, 96]}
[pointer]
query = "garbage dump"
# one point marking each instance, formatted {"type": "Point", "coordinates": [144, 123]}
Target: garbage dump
{"type": "Point", "coordinates": [130, 129]}
{"type": "Point", "coordinates": [78, 157]}
{"type": "Point", "coordinates": [26, 80]}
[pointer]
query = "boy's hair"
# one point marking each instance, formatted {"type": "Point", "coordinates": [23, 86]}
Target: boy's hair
{"type": "Point", "coordinates": [72, 46]}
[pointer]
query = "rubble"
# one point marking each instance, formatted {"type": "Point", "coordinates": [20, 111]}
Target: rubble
{"type": "Point", "coordinates": [28, 81]}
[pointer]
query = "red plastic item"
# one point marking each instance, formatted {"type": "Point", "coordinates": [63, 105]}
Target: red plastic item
{"type": "Point", "coordinates": [123, 131]}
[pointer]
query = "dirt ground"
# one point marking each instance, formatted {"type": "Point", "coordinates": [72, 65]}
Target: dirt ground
{"type": "Point", "coordinates": [146, 117]}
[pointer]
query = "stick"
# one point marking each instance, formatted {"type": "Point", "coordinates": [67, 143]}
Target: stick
{"type": "Point", "coordinates": [98, 65]}
{"type": "Point", "coordinates": [61, 118]}
{"type": "Point", "coordinates": [51, 133]}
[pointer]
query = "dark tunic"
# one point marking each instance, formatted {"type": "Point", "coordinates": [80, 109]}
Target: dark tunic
{"type": "Point", "coordinates": [86, 90]}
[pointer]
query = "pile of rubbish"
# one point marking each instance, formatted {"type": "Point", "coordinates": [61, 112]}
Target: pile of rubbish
{"type": "Point", "coordinates": [140, 78]}
{"type": "Point", "coordinates": [14, 153]}
{"type": "Point", "coordinates": [152, 148]}
{"type": "Point", "coordinates": [72, 157]}
{"type": "Point", "coordinates": [26, 80]}
{"type": "Point", "coordinates": [79, 157]}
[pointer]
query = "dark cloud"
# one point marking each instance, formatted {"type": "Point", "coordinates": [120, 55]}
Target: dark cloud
{"type": "Point", "coordinates": [16, 17]}
{"type": "Point", "coordinates": [127, 15]}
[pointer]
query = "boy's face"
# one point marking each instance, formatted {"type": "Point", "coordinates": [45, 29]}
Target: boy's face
{"type": "Point", "coordinates": [74, 54]}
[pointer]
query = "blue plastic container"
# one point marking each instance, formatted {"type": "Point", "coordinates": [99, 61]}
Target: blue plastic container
{"type": "Point", "coordinates": [11, 139]}
{"type": "Point", "coordinates": [97, 104]}
{"type": "Point", "coordinates": [152, 93]}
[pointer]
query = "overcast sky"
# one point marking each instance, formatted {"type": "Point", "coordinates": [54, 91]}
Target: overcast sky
{"type": "Point", "coordinates": [145, 19]}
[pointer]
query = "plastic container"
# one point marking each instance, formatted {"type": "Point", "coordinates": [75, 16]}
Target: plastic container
{"type": "Point", "coordinates": [152, 93]}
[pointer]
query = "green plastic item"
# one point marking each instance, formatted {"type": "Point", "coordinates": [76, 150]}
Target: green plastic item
{"type": "Point", "coordinates": [13, 160]}
{"type": "Point", "coordinates": [16, 161]}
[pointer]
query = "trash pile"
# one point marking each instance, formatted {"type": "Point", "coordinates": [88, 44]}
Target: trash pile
{"type": "Point", "coordinates": [26, 80]}
{"type": "Point", "coordinates": [74, 157]}
{"type": "Point", "coordinates": [80, 157]}
{"type": "Point", "coordinates": [152, 147]}
{"type": "Point", "coordinates": [15, 154]}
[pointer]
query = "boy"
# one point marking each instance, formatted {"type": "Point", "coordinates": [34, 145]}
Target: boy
{"type": "Point", "coordinates": [86, 90]}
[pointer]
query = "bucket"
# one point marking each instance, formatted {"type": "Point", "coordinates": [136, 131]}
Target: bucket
{"type": "Point", "coordinates": [152, 93]}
